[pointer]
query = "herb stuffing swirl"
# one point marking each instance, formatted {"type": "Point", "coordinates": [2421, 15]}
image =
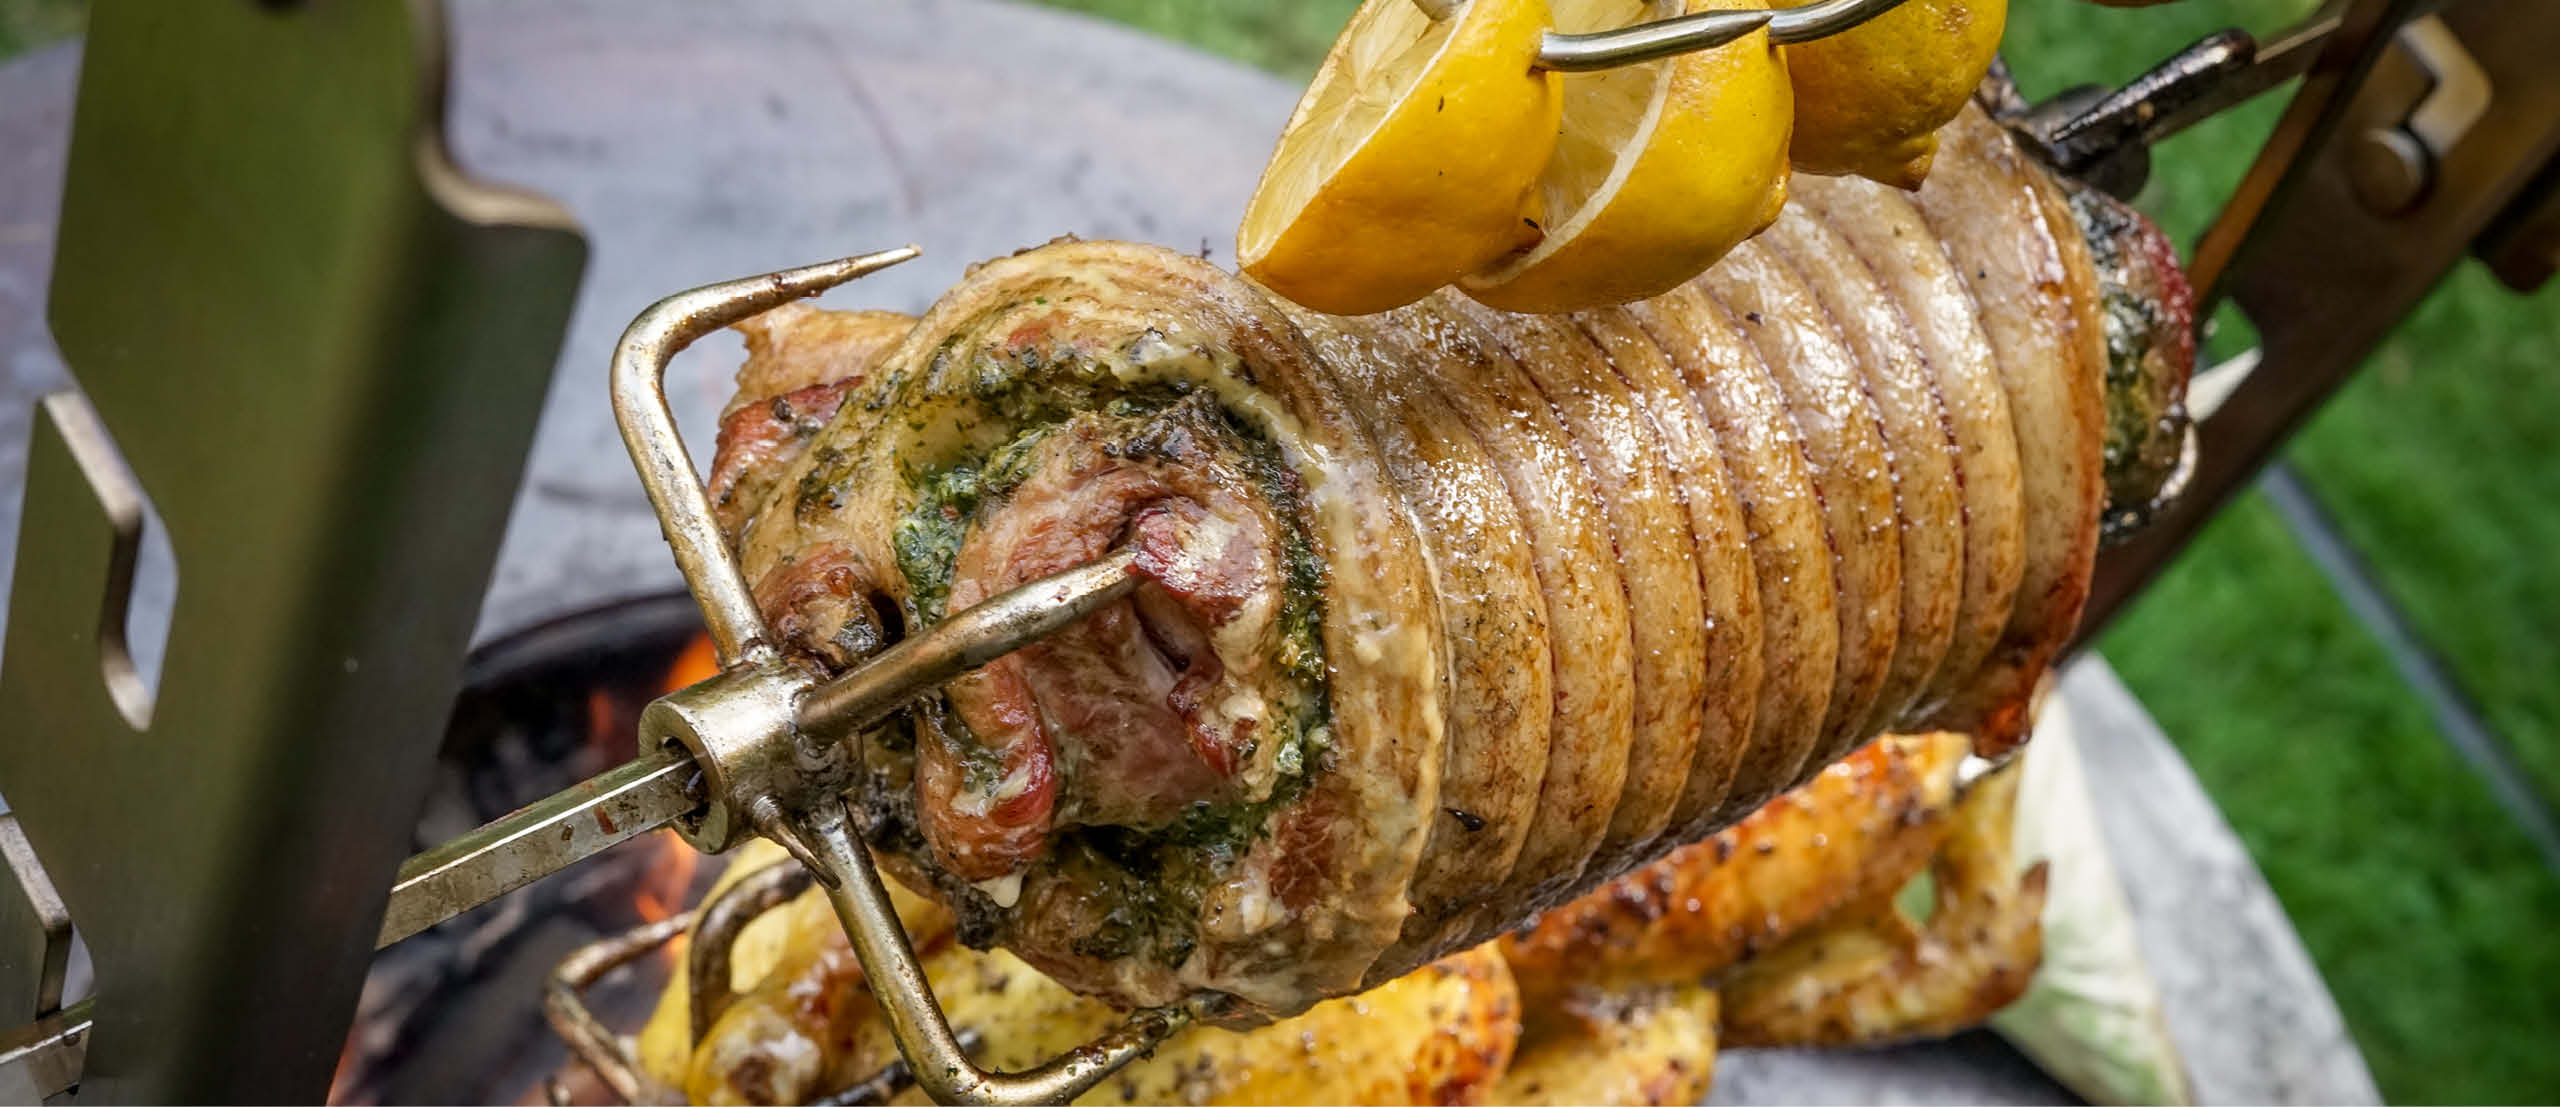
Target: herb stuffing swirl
{"type": "Point", "coordinates": [1187, 790]}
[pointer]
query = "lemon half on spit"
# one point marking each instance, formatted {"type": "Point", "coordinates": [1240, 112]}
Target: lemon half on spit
{"type": "Point", "coordinates": [1660, 167]}
{"type": "Point", "coordinates": [1410, 160]}
{"type": "Point", "coordinates": [1870, 100]}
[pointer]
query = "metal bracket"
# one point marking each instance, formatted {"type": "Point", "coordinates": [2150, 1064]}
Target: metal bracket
{"type": "Point", "coordinates": [2394, 165]}
{"type": "Point", "coordinates": [323, 350]}
{"type": "Point", "coordinates": [2303, 251]}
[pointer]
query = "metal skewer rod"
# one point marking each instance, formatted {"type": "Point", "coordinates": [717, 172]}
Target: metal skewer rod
{"type": "Point", "coordinates": [618, 804]}
{"type": "Point", "coordinates": [1662, 38]}
{"type": "Point", "coordinates": [541, 838]}
{"type": "Point", "coordinates": [1646, 42]}
{"type": "Point", "coordinates": [937, 1057]}
{"type": "Point", "coordinates": [982, 633]}
{"type": "Point", "coordinates": [1813, 21]}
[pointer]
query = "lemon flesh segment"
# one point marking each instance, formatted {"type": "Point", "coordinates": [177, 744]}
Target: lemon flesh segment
{"type": "Point", "coordinates": [1870, 100]}
{"type": "Point", "coordinates": [1660, 168]}
{"type": "Point", "coordinates": [1410, 160]}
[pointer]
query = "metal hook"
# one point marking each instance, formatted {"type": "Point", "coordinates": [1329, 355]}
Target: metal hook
{"type": "Point", "coordinates": [657, 450]}
{"type": "Point", "coordinates": [715, 934]}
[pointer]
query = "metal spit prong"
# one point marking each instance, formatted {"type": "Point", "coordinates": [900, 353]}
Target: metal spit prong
{"type": "Point", "coordinates": [657, 450]}
{"type": "Point", "coordinates": [824, 836]}
{"type": "Point", "coordinates": [664, 785]}
{"type": "Point", "coordinates": [715, 934]}
{"type": "Point", "coordinates": [1662, 38]}
{"type": "Point", "coordinates": [564, 1005]}
{"type": "Point", "coordinates": [939, 1060]}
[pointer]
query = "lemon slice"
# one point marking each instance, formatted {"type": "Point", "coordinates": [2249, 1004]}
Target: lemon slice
{"type": "Point", "coordinates": [1660, 167]}
{"type": "Point", "coordinates": [1410, 160]}
{"type": "Point", "coordinates": [1870, 100]}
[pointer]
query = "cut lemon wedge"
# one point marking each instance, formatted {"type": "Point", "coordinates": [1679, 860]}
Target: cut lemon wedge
{"type": "Point", "coordinates": [1410, 161]}
{"type": "Point", "coordinates": [1660, 167]}
{"type": "Point", "coordinates": [1870, 100]}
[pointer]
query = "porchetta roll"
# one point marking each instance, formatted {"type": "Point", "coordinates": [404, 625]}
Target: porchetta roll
{"type": "Point", "coordinates": [1446, 615]}
{"type": "Point", "coordinates": [1223, 783]}
{"type": "Point", "coordinates": [1835, 422]}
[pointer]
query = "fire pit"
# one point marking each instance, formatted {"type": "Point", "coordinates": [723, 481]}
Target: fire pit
{"type": "Point", "coordinates": [454, 1015]}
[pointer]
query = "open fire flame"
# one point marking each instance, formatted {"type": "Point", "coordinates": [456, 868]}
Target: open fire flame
{"type": "Point", "coordinates": [668, 884]}
{"type": "Point", "coordinates": [662, 877]}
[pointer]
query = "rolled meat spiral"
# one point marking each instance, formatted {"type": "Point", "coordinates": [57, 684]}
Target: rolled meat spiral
{"type": "Point", "coordinates": [1446, 615]}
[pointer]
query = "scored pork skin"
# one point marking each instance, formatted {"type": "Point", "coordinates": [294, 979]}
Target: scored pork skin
{"type": "Point", "coordinates": [1448, 616]}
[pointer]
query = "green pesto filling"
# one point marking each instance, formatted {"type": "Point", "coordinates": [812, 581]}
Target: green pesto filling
{"type": "Point", "coordinates": [1153, 878]}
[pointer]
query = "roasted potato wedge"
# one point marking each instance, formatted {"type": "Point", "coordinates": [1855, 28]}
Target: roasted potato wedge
{"type": "Point", "coordinates": [1782, 931]}
{"type": "Point", "coordinates": [795, 949]}
{"type": "Point", "coordinates": [1655, 1048]}
{"type": "Point", "coordinates": [1855, 832]}
{"type": "Point", "coordinates": [1875, 976]}
{"type": "Point", "coordinates": [1439, 1035]}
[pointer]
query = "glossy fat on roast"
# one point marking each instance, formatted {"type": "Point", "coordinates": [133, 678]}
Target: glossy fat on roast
{"type": "Point", "coordinates": [1887, 236]}
{"type": "Point", "coordinates": [1928, 508]}
{"type": "Point", "coordinates": [1446, 615]}
{"type": "Point", "coordinates": [800, 364]}
{"type": "Point", "coordinates": [1825, 395]}
{"type": "Point", "coordinates": [1790, 551]}
{"type": "Point", "coordinates": [1986, 207]}
{"type": "Point", "coordinates": [1590, 640]}
{"type": "Point", "coordinates": [1656, 557]}
{"type": "Point", "coordinates": [1499, 680]}
{"type": "Point", "coordinates": [1729, 597]}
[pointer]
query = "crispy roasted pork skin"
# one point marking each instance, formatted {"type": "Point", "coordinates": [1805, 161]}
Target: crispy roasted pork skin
{"type": "Point", "coordinates": [1446, 615]}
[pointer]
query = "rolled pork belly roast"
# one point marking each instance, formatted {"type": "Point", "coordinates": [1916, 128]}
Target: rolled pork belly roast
{"type": "Point", "coordinates": [1448, 614]}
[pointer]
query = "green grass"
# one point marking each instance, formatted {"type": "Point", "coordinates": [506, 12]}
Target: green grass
{"type": "Point", "coordinates": [2427, 911]}
{"type": "Point", "coordinates": [1287, 37]}
{"type": "Point", "coordinates": [2442, 463]}
{"type": "Point", "coordinates": [27, 24]}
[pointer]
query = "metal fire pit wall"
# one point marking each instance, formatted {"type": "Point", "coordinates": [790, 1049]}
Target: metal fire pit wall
{"type": "Point", "coordinates": [321, 351]}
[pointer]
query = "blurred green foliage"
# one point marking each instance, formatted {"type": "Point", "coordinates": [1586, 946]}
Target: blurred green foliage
{"type": "Point", "coordinates": [2428, 912]}
{"type": "Point", "coordinates": [27, 24]}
